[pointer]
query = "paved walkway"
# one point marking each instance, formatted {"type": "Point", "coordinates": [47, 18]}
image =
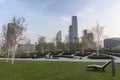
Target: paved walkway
{"type": "Point", "coordinates": [84, 59]}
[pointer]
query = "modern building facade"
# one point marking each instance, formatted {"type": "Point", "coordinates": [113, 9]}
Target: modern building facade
{"type": "Point", "coordinates": [70, 33]}
{"type": "Point", "coordinates": [59, 36]}
{"type": "Point", "coordinates": [88, 36]}
{"type": "Point", "coordinates": [112, 43]}
{"type": "Point", "coordinates": [73, 30]}
{"type": "Point", "coordinates": [26, 48]}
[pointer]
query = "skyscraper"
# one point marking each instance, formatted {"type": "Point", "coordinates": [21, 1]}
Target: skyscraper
{"type": "Point", "coordinates": [73, 31]}
{"type": "Point", "coordinates": [59, 36]}
{"type": "Point", "coordinates": [88, 36]}
{"type": "Point", "coordinates": [70, 34]}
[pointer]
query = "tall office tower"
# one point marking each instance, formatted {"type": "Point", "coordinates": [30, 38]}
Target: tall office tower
{"type": "Point", "coordinates": [59, 36]}
{"type": "Point", "coordinates": [73, 30]}
{"type": "Point", "coordinates": [88, 36]}
{"type": "Point", "coordinates": [70, 34]}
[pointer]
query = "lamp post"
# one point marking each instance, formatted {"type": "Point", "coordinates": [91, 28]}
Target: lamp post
{"type": "Point", "coordinates": [113, 67]}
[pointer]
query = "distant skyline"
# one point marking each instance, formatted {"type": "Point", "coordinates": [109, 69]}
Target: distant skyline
{"type": "Point", "coordinates": [47, 17]}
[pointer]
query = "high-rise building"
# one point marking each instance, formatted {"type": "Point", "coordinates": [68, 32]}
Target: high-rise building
{"type": "Point", "coordinates": [88, 36]}
{"type": "Point", "coordinates": [59, 36]}
{"type": "Point", "coordinates": [73, 31]}
{"type": "Point", "coordinates": [70, 33]}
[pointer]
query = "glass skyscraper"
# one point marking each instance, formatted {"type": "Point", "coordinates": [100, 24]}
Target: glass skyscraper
{"type": "Point", "coordinates": [59, 36]}
{"type": "Point", "coordinates": [73, 30]}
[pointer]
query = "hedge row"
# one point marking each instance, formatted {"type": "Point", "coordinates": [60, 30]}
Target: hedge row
{"type": "Point", "coordinates": [100, 57]}
{"type": "Point", "coordinates": [113, 54]}
{"type": "Point", "coordinates": [84, 54]}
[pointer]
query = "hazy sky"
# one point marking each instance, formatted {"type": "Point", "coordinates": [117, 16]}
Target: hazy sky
{"type": "Point", "coordinates": [47, 17]}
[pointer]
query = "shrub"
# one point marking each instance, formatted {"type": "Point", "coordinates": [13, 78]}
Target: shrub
{"type": "Point", "coordinates": [66, 53]}
{"type": "Point", "coordinates": [100, 57]}
{"type": "Point", "coordinates": [23, 55]}
{"type": "Point", "coordinates": [84, 54]}
{"type": "Point", "coordinates": [66, 56]}
{"type": "Point", "coordinates": [38, 55]}
{"type": "Point", "coordinates": [112, 50]}
{"type": "Point", "coordinates": [113, 54]}
{"type": "Point", "coordinates": [2, 56]}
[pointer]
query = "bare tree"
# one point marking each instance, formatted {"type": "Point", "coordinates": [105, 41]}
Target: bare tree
{"type": "Point", "coordinates": [50, 46]}
{"type": "Point", "coordinates": [12, 33]}
{"type": "Point", "coordinates": [66, 42]}
{"type": "Point", "coordinates": [4, 39]}
{"type": "Point", "coordinates": [98, 32]}
{"type": "Point", "coordinates": [55, 45]}
{"type": "Point", "coordinates": [85, 46]}
{"type": "Point", "coordinates": [41, 44]}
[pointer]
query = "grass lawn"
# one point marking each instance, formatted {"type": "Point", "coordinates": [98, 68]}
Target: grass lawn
{"type": "Point", "coordinates": [46, 70]}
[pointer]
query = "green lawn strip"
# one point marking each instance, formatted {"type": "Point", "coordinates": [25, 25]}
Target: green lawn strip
{"type": "Point", "coordinates": [48, 70]}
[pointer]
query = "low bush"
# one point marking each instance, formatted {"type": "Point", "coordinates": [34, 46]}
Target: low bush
{"type": "Point", "coordinates": [66, 56]}
{"type": "Point", "coordinates": [100, 57]}
{"type": "Point", "coordinates": [38, 55]}
{"type": "Point", "coordinates": [23, 55]}
{"type": "Point", "coordinates": [66, 53]}
{"type": "Point", "coordinates": [84, 54]}
{"type": "Point", "coordinates": [112, 50]}
{"type": "Point", "coordinates": [113, 54]}
{"type": "Point", "coordinates": [2, 56]}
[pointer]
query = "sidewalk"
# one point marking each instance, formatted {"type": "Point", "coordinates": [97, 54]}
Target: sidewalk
{"type": "Point", "coordinates": [84, 59]}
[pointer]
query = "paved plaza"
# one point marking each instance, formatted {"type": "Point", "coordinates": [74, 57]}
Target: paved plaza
{"type": "Point", "coordinates": [82, 59]}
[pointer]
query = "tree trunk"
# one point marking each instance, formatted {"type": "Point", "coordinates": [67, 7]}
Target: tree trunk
{"type": "Point", "coordinates": [7, 58]}
{"type": "Point", "coordinates": [13, 57]}
{"type": "Point", "coordinates": [13, 51]}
